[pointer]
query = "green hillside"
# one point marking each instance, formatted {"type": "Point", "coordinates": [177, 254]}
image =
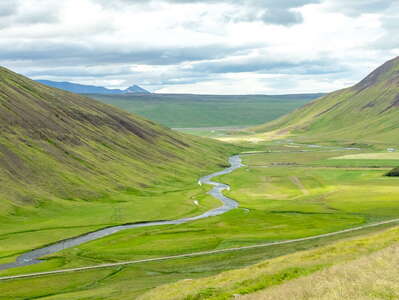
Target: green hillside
{"type": "Point", "coordinates": [367, 112]}
{"type": "Point", "coordinates": [70, 164]}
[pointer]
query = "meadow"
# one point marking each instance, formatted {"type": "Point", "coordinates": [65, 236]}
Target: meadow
{"type": "Point", "coordinates": [84, 203]}
{"type": "Point", "coordinates": [193, 111]}
{"type": "Point", "coordinates": [62, 219]}
{"type": "Point", "coordinates": [284, 193]}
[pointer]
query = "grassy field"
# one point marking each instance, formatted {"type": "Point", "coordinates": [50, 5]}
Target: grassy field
{"type": "Point", "coordinates": [193, 111]}
{"type": "Point", "coordinates": [62, 219]}
{"type": "Point", "coordinates": [212, 132]}
{"type": "Point", "coordinates": [282, 195]}
{"type": "Point", "coordinates": [370, 156]}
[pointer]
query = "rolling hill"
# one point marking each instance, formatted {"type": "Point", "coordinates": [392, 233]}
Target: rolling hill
{"type": "Point", "coordinates": [367, 112]}
{"type": "Point", "coordinates": [91, 89]}
{"type": "Point", "coordinates": [55, 145]}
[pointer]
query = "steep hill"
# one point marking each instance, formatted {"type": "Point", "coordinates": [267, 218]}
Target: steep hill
{"type": "Point", "coordinates": [92, 89]}
{"type": "Point", "coordinates": [58, 145]}
{"type": "Point", "coordinates": [366, 112]}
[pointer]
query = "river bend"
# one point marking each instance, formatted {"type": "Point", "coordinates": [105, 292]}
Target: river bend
{"type": "Point", "coordinates": [33, 257]}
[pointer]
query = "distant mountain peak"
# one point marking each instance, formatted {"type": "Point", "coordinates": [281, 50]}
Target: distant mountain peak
{"type": "Point", "coordinates": [135, 89]}
{"type": "Point", "coordinates": [91, 89]}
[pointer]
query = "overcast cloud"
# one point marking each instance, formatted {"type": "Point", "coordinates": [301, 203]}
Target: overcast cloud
{"type": "Point", "coordinates": [200, 46]}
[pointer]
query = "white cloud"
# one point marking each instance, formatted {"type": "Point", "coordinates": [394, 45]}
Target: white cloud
{"type": "Point", "coordinates": [210, 46]}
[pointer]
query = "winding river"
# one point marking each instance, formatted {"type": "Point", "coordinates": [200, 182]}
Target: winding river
{"type": "Point", "coordinates": [33, 257]}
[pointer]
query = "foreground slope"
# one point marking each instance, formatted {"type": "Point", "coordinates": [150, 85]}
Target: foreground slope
{"type": "Point", "coordinates": [366, 112]}
{"type": "Point", "coordinates": [354, 268]}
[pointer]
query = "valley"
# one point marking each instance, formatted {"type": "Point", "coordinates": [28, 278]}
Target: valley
{"type": "Point", "coordinates": [299, 205]}
{"type": "Point", "coordinates": [199, 150]}
{"type": "Point", "coordinates": [284, 193]}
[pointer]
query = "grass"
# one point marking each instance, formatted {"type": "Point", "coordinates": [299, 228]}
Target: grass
{"type": "Point", "coordinates": [194, 278]}
{"type": "Point", "coordinates": [211, 132]}
{"type": "Point", "coordinates": [62, 219]}
{"type": "Point", "coordinates": [373, 276]}
{"type": "Point", "coordinates": [193, 111]}
{"type": "Point", "coordinates": [371, 156]}
{"type": "Point", "coordinates": [285, 196]}
{"type": "Point", "coordinates": [278, 276]}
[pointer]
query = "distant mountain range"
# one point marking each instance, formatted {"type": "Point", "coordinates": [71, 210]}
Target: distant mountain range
{"type": "Point", "coordinates": [91, 89]}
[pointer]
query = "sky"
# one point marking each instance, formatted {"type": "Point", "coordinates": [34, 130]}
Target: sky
{"type": "Point", "coordinates": [203, 47]}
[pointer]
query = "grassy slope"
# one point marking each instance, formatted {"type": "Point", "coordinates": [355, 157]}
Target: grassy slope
{"type": "Point", "coordinates": [367, 112]}
{"type": "Point", "coordinates": [372, 276]}
{"type": "Point", "coordinates": [187, 111]}
{"type": "Point", "coordinates": [285, 201]}
{"type": "Point", "coordinates": [357, 265]}
{"type": "Point", "coordinates": [69, 164]}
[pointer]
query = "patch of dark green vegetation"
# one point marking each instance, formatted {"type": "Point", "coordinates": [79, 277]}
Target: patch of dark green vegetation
{"type": "Point", "coordinates": [393, 173]}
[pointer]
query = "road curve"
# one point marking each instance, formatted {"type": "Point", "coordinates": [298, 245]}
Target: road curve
{"type": "Point", "coordinates": [33, 257]}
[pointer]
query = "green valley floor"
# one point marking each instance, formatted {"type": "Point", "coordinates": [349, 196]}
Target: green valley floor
{"type": "Point", "coordinates": [286, 191]}
{"type": "Point", "coordinates": [202, 112]}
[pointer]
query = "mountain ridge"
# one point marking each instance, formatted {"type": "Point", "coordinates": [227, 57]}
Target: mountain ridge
{"type": "Point", "coordinates": [92, 89]}
{"type": "Point", "coordinates": [365, 112]}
